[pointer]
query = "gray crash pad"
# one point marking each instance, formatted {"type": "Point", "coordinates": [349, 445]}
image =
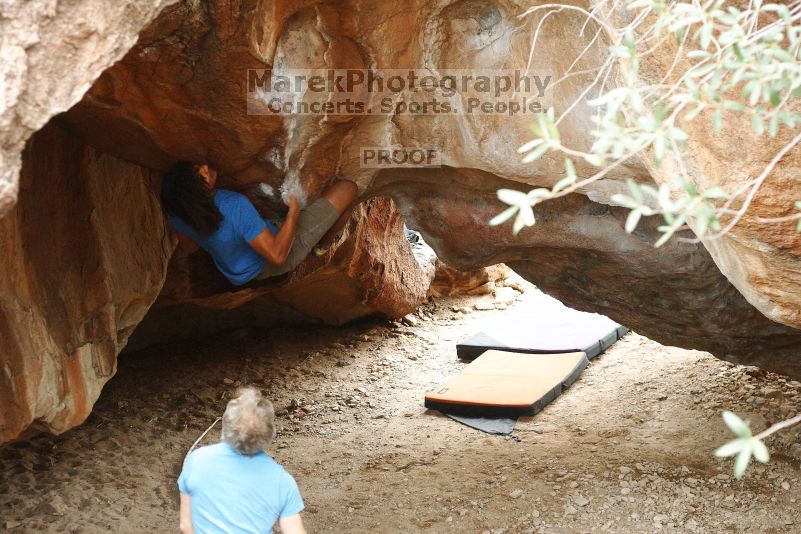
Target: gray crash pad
{"type": "Point", "coordinates": [544, 326]}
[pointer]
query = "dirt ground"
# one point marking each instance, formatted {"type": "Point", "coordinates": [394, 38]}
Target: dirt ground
{"type": "Point", "coordinates": [628, 448]}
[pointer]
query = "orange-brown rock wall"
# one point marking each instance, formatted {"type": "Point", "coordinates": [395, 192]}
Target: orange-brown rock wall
{"type": "Point", "coordinates": [84, 254]}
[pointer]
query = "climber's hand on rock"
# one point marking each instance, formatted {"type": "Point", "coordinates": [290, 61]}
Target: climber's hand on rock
{"type": "Point", "coordinates": [294, 207]}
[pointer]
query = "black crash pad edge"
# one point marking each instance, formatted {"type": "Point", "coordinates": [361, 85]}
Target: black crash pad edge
{"type": "Point", "coordinates": [469, 352]}
{"type": "Point", "coordinates": [471, 410]}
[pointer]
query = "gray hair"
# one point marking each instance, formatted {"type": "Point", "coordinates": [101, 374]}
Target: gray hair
{"type": "Point", "coordinates": [248, 424]}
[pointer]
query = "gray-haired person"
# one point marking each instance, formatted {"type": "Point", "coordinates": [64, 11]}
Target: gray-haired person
{"type": "Point", "coordinates": [235, 486]}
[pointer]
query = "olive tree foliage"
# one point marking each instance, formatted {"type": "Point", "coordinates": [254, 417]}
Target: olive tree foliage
{"type": "Point", "coordinates": [743, 60]}
{"type": "Point", "coordinates": [746, 444]}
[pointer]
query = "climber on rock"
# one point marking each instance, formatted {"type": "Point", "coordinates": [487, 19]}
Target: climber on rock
{"type": "Point", "coordinates": [243, 245]}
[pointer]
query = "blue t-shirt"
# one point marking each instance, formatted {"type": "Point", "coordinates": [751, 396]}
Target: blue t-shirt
{"type": "Point", "coordinates": [229, 246]}
{"type": "Point", "coordinates": [234, 493]}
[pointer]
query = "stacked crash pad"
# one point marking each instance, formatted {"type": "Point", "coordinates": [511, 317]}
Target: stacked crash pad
{"type": "Point", "coordinates": [507, 384]}
{"type": "Point", "coordinates": [522, 363]}
{"type": "Point", "coordinates": [551, 327]}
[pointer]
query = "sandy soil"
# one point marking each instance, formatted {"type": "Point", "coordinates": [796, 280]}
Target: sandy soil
{"type": "Point", "coordinates": [628, 448]}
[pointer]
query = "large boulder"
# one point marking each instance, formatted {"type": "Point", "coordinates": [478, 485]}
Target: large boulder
{"type": "Point", "coordinates": [180, 92]}
{"type": "Point", "coordinates": [50, 55]}
{"type": "Point", "coordinates": [85, 253]}
{"type": "Point", "coordinates": [452, 281]}
{"type": "Point", "coordinates": [579, 252]}
{"type": "Point", "coordinates": [763, 174]}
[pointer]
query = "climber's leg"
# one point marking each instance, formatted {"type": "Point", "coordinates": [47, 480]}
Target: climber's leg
{"type": "Point", "coordinates": [314, 222]}
{"type": "Point", "coordinates": [342, 195]}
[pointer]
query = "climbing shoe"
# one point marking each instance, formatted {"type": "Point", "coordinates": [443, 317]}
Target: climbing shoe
{"type": "Point", "coordinates": [320, 250]}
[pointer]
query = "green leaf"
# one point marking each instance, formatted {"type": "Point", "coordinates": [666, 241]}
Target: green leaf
{"type": "Point", "coordinates": [524, 218]}
{"type": "Point", "coordinates": [742, 461]}
{"type": "Point", "coordinates": [753, 90]}
{"type": "Point", "coordinates": [527, 214]}
{"type": "Point", "coordinates": [665, 236]}
{"type": "Point", "coordinates": [635, 190]}
{"type": "Point", "coordinates": [756, 124]}
{"type": "Point", "coordinates": [553, 131]}
{"type": "Point", "coordinates": [706, 35]}
{"type": "Point", "coordinates": [518, 225]}
{"type": "Point", "coordinates": [760, 451]}
{"type": "Point", "coordinates": [701, 224]}
{"type": "Point", "coordinates": [563, 183]}
{"type": "Point", "coordinates": [734, 106]}
{"type": "Point", "coordinates": [773, 125]}
{"type": "Point", "coordinates": [694, 112]}
{"type": "Point", "coordinates": [503, 216]}
{"type": "Point", "coordinates": [736, 425]}
{"type": "Point", "coordinates": [698, 54]}
{"type": "Point", "coordinates": [717, 120]}
{"type": "Point", "coordinates": [625, 201]}
{"type": "Point", "coordinates": [659, 149]}
{"type": "Point", "coordinates": [649, 190]}
{"type": "Point", "coordinates": [594, 160]}
{"type": "Point", "coordinates": [730, 449]}
{"type": "Point", "coordinates": [716, 192]}
{"type": "Point", "coordinates": [663, 197]}
{"type": "Point", "coordinates": [633, 219]}
{"type": "Point", "coordinates": [512, 197]}
{"type": "Point", "coordinates": [570, 169]}
{"type": "Point", "coordinates": [530, 145]}
{"type": "Point", "coordinates": [677, 134]}
{"type": "Point", "coordinates": [690, 188]}
{"type": "Point", "coordinates": [536, 195]}
{"type": "Point", "coordinates": [620, 51]}
{"type": "Point", "coordinates": [536, 153]}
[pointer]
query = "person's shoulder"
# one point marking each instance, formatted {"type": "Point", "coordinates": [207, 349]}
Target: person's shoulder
{"type": "Point", "coordinates": [226, 195]}
{"type": "Point", "coordinates": [231, 201]}
{"type": "Point", "coordinates": [281, 472]}
{"type": "Point", "coordinates": [209, 451]}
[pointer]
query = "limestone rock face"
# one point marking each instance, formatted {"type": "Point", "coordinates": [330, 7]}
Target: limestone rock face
{"type": "Point", "coordinates": [84, 254]}
{"type": "Point", "coordinates": [579, 253]}
{"type": "Point", "coordinates": [451, 281]}
{"type": "Point", "coordinates": [760, 258]}
{"type": "Point", "coordinates": [50, 54]}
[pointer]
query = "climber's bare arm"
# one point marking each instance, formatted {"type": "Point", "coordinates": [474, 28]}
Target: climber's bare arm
{"type": "Point", "coordinates": [275, 248]}
{"type": "Point", "coordinates": [186, 243]}
{"type": "Point", "coordinates": [186, 515]}
{"type": "Point", "coordinates": [292, 525]}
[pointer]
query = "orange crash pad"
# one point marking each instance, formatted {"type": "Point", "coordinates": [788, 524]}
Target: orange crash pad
{"type": "Point", "coordinates": [500, 383]}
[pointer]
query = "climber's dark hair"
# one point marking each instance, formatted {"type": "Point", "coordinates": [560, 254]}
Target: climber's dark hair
{"type": "Point", "coordinates": [185, 194]}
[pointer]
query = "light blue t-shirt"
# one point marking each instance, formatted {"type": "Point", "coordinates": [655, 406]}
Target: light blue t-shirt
{"type": "Point", "coordinates": [234, 493]}
{"type": "Point", "coordinates": [229, 246]}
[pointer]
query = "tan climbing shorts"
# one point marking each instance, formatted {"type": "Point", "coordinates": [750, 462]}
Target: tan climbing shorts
{"type": "Point", "coordinates": [313, 222]}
